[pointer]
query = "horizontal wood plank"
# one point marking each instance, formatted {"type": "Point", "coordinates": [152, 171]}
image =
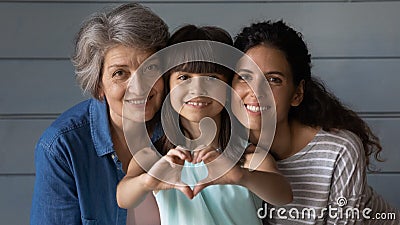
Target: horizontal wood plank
{"type": "Point", "coordinates": [386, 185]}
{"type": "Point", "coordinates": [46, 30]}
{"type": "Point", "coordinates": [16, 199]}
{"type": "Point", "coordinates": [37, 86]}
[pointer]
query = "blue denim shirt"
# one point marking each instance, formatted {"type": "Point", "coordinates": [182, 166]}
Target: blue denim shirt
{"type": "Point", "coordinates": [77, 170]}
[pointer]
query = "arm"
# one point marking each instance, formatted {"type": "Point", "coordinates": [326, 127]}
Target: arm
{"type": "Point", "coordinates": [266, 181]}
{"type": "Point", "coordinates": [348, 183]}
{"type": "Point", "coordinates": [55, 199]}
{"type": "Point", "coordinates": [133, 188]}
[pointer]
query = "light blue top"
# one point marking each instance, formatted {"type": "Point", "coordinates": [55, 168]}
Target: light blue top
{"type": "Point", "coordinates": [214, 205]}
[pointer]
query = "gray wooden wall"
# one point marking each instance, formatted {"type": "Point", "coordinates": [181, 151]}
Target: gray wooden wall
{"type": "Point", "coordinates": [355, 47]}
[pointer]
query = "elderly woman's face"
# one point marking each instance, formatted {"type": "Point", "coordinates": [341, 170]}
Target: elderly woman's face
{"type": "Point", "coordinates": [120, 64]}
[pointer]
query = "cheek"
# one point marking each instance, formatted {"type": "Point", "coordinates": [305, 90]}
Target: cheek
{"type": "Point", "coordinates": [176, 98]}
{"type": "Point", "coordinates": [159, 86]}
{"type": "Point", "coordinates": [218, 94]}
{"type": "Point", "coordinates": [113, 90]}
{"type": "Point", "coordinates": [238, 92]}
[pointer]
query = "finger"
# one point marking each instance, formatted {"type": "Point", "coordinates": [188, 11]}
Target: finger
{"type": "Point", "coordinates": [185, 189]}
{"type": "Point", "coordinates": [174, 161]}
{"type": "Point", "coordinates": [196, 152]}
{"type": "Point", "coordinates": [179, 147]}
{"type": "Point", "coordinates": [194, 156]}
{"type": "Point", "coordinates": [170, 160]}
{"type": "Point", "coordinates": [185, 151]}
{"type": "Point", "coordinates": [210, 156]}
{"type": "Point", "coordinates": [203, 152]}
{"type": "Point", "coordinates": [198, 188]}
{"type": "Point", "coordinates": [250, 148]}
{"type": "Point", "coordinates": [177, 153]}
{"type": "Point", "coordinates": [201, 185]}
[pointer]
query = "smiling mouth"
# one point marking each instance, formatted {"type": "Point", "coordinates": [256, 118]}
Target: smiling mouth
{"type": "Point", "coordinates": [197, 104]}
{"type": "Point", "coordinates": [138, 101]}
{"type": "Point", "coordinates": [254, 108]}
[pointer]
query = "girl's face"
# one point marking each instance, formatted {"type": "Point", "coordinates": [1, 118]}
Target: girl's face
{"type": "Point", "coordinates": [275, 68]}
{"type": "Point", "coordinates": [120, 64]}
{"type": "Point", "coordinates": [195, 96]}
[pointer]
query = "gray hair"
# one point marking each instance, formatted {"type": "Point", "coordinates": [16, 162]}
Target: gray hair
{"type": "Point", "coordinates": [131, 25]}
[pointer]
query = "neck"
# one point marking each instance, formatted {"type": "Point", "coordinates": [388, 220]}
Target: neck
{"type": "Point", "coordinates": [192, 131]}
{"type": "Point", "coordinates": [290, 138]}
{"type": "Point", "coordinates": [254, 136]}
{"type": "Point", "coordinates": [118, 139]}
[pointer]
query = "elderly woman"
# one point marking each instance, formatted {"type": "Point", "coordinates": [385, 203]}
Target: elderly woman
{"type": "Point", "coordinates": [83, 155]}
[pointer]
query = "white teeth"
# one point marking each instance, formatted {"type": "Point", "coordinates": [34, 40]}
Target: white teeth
{"type": "Point", "coordinates": [137, 102]}
{"type": "Point", "coordinates": [254, 108]}
{"type": "Point", "coordinates": [197, 103]}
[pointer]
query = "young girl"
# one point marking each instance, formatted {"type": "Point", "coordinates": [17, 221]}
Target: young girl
{"type": "Point", "coordinates": [234, 197]}
{"type": "Point", "coordinates": [320, 146]}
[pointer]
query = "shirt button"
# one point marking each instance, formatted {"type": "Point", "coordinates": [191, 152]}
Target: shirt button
{"type": "Point", "coordinates": [113, 156]}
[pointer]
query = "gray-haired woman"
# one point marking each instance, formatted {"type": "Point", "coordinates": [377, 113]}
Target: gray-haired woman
{"type": "Point", "coordinates": [83, 155]}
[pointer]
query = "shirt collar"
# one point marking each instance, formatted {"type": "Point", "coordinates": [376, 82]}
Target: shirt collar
{"type": "Point", "coordinates": [99, 127]}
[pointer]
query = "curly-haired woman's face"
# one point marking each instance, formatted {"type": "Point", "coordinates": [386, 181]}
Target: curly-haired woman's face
{"type": "Point", "coordinates": [120, 64]}
{"type": "Point", "coordinates": [275, 68]}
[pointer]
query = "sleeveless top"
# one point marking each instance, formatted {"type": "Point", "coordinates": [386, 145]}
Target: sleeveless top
{"type": "Point", "coordinates": [214, 205]}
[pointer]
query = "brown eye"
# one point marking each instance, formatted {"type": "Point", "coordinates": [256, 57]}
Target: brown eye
{"type": "Point", "coordinates": [119, 73]}
{"type": "Point", "coordinates": [274, 80]}
{"type": "Point", "coordinates": [212, 77]}
{"type": "Point", "coordinates": [245, 77]}
{"type": "Point", "coordinates": [183, 77]}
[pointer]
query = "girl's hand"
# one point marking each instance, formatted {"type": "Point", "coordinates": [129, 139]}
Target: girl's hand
{"type": "Point", "coordinates": [218, 164]}
{"type": "Point", "coordinates": [166, 172]}
{"type": "Point", "coordinates": [199, 154]}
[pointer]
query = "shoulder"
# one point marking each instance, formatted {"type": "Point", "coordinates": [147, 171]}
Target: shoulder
{"type": "Point", "coordinates": [70, 122]}
{"type": "Point", "coordinates": [342, 139]}
{"type": "Point", "coordinates": [349, 148]}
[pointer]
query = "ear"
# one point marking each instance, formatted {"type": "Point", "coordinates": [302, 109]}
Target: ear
{"type": "Point", "coordinates": [299, 94]}
{"type": "Point", "coordinates": [100, 92]}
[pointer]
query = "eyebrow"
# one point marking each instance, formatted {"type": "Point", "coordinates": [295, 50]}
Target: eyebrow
{"type": "Point", "coordinates": [117, 65]}
{"type": "Point", "coordinates": [275, 72]}
{"type": "Point", "coordinates": [245, 70]}
{"type": "Point", "coordinates": [266, 73]}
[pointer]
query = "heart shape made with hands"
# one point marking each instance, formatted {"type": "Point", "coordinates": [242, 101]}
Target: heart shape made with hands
{"type": "Point", "coordinates": [203, 168]}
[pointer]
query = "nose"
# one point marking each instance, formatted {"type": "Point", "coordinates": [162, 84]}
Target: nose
{"type": "Point", "coordinates": [197, 86]}
{"type": "Point", "coordinates": [137, 85]}
{"type": "Point", "coordinates": [259, 88]}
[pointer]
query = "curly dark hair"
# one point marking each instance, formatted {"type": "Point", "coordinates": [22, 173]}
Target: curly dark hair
{"type": "Point", "coordinates": [319, 107]}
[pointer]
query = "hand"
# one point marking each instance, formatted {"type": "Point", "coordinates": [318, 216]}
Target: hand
{"type": "Point", "coordinates": [200, 153]}
{"type": "Point", "coordinates": [217, 165]}
{"type": "Point", "coordinates": [166, 172]}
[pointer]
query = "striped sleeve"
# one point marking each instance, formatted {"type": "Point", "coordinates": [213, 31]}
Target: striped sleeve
{"type": "Point", "coordinates": [348, 182]}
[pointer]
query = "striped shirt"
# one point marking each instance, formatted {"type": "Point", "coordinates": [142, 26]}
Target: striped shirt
{"type": "Point", "coordinates": [328, 179]}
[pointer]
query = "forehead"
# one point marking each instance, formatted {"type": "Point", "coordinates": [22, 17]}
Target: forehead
{"type": "Point", "coordinates": [267, 59]}
{"type": "Point", "coordinates": [126, 55]}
